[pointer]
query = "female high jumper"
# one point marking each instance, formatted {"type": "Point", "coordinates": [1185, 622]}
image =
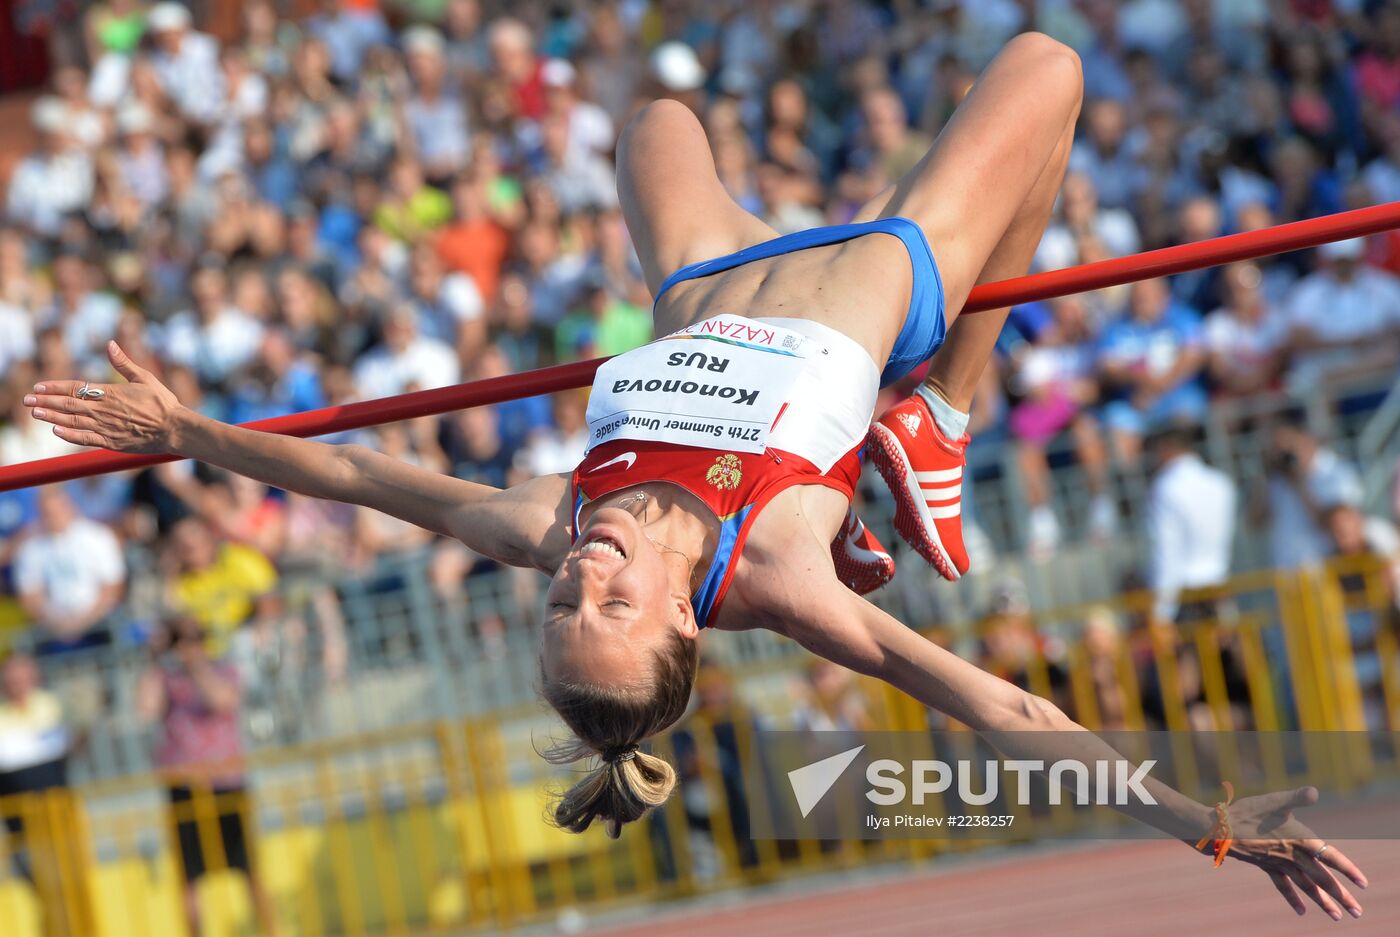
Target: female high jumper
{"type": "Point", "coordinates": [716, 490]}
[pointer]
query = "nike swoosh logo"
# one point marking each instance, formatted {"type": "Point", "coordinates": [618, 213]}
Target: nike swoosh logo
{"type": "Point", "coordinates": [628, 457]}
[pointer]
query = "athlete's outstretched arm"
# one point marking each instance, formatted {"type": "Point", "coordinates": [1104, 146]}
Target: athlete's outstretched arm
{"type": "Point", "coordinates": [523, 526]}
{"type": "Point", "coordinates": [848, 630]}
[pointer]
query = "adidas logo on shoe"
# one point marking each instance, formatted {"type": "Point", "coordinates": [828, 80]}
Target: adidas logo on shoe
{"type": "Point", "coordinates": [911, 422]}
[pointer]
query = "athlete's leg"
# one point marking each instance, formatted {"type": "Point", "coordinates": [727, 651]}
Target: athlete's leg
{"type": "Point", "coordinates": [677, 210]}
{"type": "Point", "coordinates": [970, 193]}
{"type": "Point", "coordinates": [983, 196]}
{"type": "Point", "coordinates": [956, 368]}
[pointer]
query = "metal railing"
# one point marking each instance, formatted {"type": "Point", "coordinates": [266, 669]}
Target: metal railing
{"type": "Point", "coordinates": [439, 826]}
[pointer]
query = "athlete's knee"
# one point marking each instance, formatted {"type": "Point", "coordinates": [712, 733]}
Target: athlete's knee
{"type": "Point", "coordinates": [663, 116]}
{"type": "Point", "coordinates": [1049, 63]}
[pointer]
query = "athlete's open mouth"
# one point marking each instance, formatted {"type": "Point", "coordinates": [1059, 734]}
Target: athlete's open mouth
{"type": "Point", "coordinates": [602, 545]}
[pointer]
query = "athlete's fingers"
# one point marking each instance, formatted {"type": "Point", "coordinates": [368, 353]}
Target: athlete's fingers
{"type": "Point", "coordinates": [80, 437]}
{"type": "Point", "coordinates": [125, 366]}
{"type": "Point", "coordinates": [56, 403]}
{"type": "Point", "coordinates": [1282, 801]}
{"type": "Point", "coordinates": [1289, 893]}
{"type": "Point", "coordinates": [1336, 859]}
{"type": "Point", "coordinates": [66, 420]}
{"type": "Point", "coordinates": [1328, 882]}
{"type": "Point", "coordinates": [62, 388]}
{"type": "Point", "coordinates": [1314, 891]}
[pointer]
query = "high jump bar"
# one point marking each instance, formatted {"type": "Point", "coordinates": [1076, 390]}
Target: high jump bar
{"type": "Point", "coordinates": [1213, 252]}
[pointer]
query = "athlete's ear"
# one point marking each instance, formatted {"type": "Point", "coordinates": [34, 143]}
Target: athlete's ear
{"type": "Point", "coordinates": [685, 615]}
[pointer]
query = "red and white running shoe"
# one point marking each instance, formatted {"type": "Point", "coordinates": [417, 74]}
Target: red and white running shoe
{"type": "Point", "coordinates": [862, 562]}
{"type": "Point", "coordinates": [924, 470]}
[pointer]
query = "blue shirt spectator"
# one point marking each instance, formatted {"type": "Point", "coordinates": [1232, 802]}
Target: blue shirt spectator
{"type": "Point", "coordinates": [1152, 361]}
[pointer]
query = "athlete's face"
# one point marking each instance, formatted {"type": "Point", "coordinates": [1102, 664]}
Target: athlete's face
{"type": "Point", "coordinates": [611, 597]}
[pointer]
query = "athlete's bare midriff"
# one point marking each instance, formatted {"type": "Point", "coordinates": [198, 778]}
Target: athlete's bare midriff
{"type": "Point", "coordinates": [860, 288]}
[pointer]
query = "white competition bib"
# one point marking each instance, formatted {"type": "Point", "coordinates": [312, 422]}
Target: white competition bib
{"type": "Point", "coordinates": [717, 384]}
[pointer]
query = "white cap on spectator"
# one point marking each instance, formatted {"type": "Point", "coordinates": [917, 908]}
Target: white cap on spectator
{"type": "Point", "coordinates": [677, 67]}
{"type": "Point", "coordinates": [166, 17]}
{"type": "Point", "coordinates": [558, 73]}
{"type": "Point", "coordinates": [423, 39]}
{"type": "Point", "coordinates": [135, 118]}
{"type": "Point", "coordinates": [1350, 249]}
{"type": "Point", "coordinates": [49, 114]}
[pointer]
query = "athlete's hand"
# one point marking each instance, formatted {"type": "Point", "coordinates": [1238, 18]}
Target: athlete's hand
{"type": "Point", "coordinates": [139, 416]}
{"type": "Point", "coordinates": [1267, 834]}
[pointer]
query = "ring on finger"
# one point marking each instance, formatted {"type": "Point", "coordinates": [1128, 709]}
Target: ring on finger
{"type": "Point", "coordinates": [89, 393]}
{"type": "Point", "coordinates": [1318, 854]}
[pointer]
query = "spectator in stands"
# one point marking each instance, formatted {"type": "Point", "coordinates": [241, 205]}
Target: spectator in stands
{"type": "Point", "coordinates": [1382, 174]}
{"type": "Point", "coordinates": [1013, 648]}
{"type": "Point", "coordinates": [1246, 339]}
{"type": "Point", "coordinates": [411, 208]}
{"type": "Point", "coordinates": [830, 700]}
{"type": "Point", "coordinates": [70, 575]}
{"type": "Point", "coordinates": [1081, 215]}
{"type": "Point", "coordinates": [36, 807]}
{"type": "Point", "coordinates": [714, 732]}
{"type": "Point", "coordinates": [1305, 479]}
{"type": "Point", "coordinates": [888, 141]}
{"type": "Point", "coordinates": [449, 306]}
{"type": "Point", "coordinates": [1345, 318]}
{"type": "Point", "coordinates": [215, 338]}
{"type": "Point", "coordinates": [1352, 533]}
{"type": "Point", "coordinates": [226, 587]}
{"type": "Point", "coordinates": [54, 181]}
{"type": "Point", "coordinates": [1104, 156]}
{"type": "Point", "coordinates": [590, 129]}
{"type": "Point", "coordinates": [513, 54]}
{"type": "Point", "coordinates": [405, 359]}
{"type": "Point", "coordinates": [21, 440]}
{"type": "Point", "coordinates": [34, 747]}
{"type": "Point", "coordinates": [85, 315]}
{"type": "Point", "coordinates": [186, 62]}
{"type": "Point", "coordinates": [348, 31]}
{"type": "Point", "coordinates": [1055, 381]}
{"type": "Point", "coordinates": [1106, 653]}
{"type": "Point", "coordinates": [196, 699]}
{"type": "Point", "coordinates": [278, 381]}
{"type": "Point", "coordinates": [606, 325]}
{"type": "Point", "coordinates": [475, 244]}
{"type": "Point", "coordinates": [1366, 555]}
{"type": "Point", "coordinates": [1190, 522]}
{"type": "Point", "coordinates": [560, 447]}
{"type": "Point", "coordinates": [578, 177]}
{"type": "Point", "coordinates": [1152, 362]}
{"type": "Point", "coordinates": [436, 117]}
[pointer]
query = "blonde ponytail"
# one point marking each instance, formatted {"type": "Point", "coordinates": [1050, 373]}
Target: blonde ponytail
{"type": "Point", "coordinates": [616, 792]}
{"type": "Point", "coordinates": [609, 723]}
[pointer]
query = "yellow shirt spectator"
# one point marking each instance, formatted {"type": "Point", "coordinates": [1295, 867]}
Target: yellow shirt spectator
{"type": "Point", "coordinates": [223, 595]}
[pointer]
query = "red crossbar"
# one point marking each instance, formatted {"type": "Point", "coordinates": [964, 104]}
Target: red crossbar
{"type": "Point", "coordinates": [1168, 260]}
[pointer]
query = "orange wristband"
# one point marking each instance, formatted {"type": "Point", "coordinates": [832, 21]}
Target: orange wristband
{"type": "Point", "coordinates": [1220, 835]}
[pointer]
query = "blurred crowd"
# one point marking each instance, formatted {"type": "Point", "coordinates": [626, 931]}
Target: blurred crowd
{"type": "Point", "coordinates": [378, 196]}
